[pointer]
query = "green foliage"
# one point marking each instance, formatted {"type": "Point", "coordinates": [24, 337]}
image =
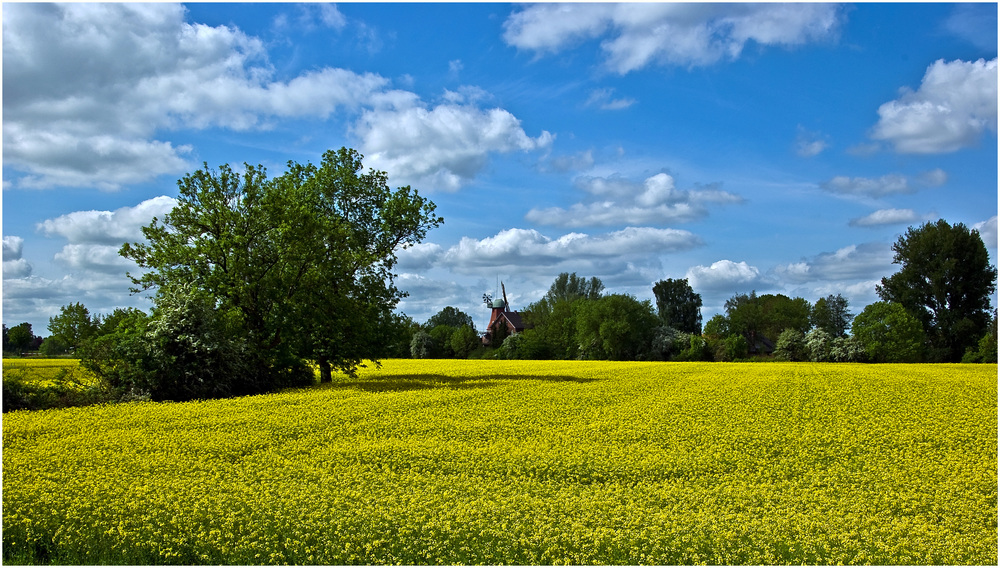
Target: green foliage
{"type": "Point", "coordinates": [945, 281]}
{"type": "Point", "coordinates": [21, 391]}
{"type": "Point", "coordinates": [847, 350]}
{"type": "Point", "coordinates": [421, 346]}
{"type": "Point", "coordinates": [73, 325]}
{"type": "Point", "coordinates": [780, 313]}
{"type": "Point", "coordinates": [20, 337]}
{"type": "Point", "coordinates": [452, 317]}
{"type": "Point", "coordinates": [986, 350]}
{"type": "Point", "coordinates": [831, 315]}
{"type": "Point", "coordinates": [570, 287]}
{"type": "Point", "coordinates": [616, 327]}
{"type": "Point", "coordinates": [678, 305]}
{"type": "Point", "coordinates": [889, 333]}
{"type": "Point", "coordinates": [791, 346]}
{"type": "Point", "coordinates": [668, 343]}
{"type": "Point", "coordinates": [53, 346]}
{"type": "Point", "coordinates": [818, 344]}
{"type": "Point", "coordinates": [732, 348]}
{"type": "Point", "coordinates": [299, 266]}
{"type": "Point", "coordinates": [464, 341]}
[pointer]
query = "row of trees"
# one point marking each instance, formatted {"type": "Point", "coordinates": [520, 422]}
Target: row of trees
{"type": "Point", "coordinates": [936, 308]}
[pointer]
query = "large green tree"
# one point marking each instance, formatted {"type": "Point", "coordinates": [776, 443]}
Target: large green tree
{"type": "Point", "coordinates": [678, 305]}
{"type": "Point", "coordinates": [302, 261]}
{"type": "Point", "coordinates": [945, 281]}
{"type": "Point", "coordinates": [889, 333]}
{"type": "Point", "coordinates": [73, 325]}
{"type": "Point", "coordinates": [830, 314]}
{"type": "Point", "coordinates": [617, 327]}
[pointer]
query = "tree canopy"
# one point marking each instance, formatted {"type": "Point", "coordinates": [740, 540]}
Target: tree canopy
{"type": "Point", "coordinates": [945, 281]}
{"type": "Point", "coordinates": [301, 262]}
{"type": "Point", "coordinates": [678, 305]}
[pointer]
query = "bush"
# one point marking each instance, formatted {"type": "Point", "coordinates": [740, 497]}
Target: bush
{"type": "Point", "coordinates": [732, 348]}
{"type": "Point", "coordinates": [791, 346]}
{"type": "Point", "coordinates": [20, 392]}
{"type": "Point", "coordinates": [421, 346]}
{"type": "Point", "coordinates": [818, 344]}
{"type": "Point", "coordinates": [186, 350]}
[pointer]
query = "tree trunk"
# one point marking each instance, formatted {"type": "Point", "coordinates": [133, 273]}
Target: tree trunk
{"type": "Point", "coordinates": [325, 373]}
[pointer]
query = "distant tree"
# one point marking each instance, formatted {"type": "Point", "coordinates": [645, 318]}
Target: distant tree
{"type": "Point", "coordinates": [791, 346]}
{"type": "Point", "coordinates": [717, 327]}
{"type": "Point", "coordinates": [668, 343]}
{"type": "Point", "coordinates": [946, 282]}
{"type": "Point", "coordinates": [53, 346]}
{"type": "Point", "coordinates": [831, 315]}
{"type": "Point", "coordinates": [986, 350]}
{"type": "Point", "coordinates": [421, 346]}
{"type": "Point", "coordinates": [20, 337]}
{"type": "Point", "coordinates": [745, 315]}
{"type": "Point", "coordinates": [452, 317]}
{"type": "Point", "coordinates": [617, 327]}
{"type": "Point", "coordinates": [779, 313]}
{"type": "Point", "coordinates": [572, 287]}
{"type": "Point", "coordinates": [73, 325]}
{"type": "Point", "coordinates": [889, 333]}
{"type": "Point", "coordinates": [818, 344]}
{"type": "Point", "coordinates": [678, 305]}
{"type": "Point", "coordinates": [847, 350]}
{"type": "Point", "coordinates": [464, 341]}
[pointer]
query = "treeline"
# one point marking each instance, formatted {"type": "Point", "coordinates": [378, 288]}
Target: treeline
{"type": "Point", "coordinates": [936, 308]}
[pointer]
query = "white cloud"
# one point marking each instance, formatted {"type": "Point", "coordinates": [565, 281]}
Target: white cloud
{"type": "Point", "coordinates": [955, 104]}
{"type": "Point", "coordinates": [851, 263]}
{"type": "Point", "coordinates": [655, 201]}
{"type": "Point", "coordinates": [13, 265]}
{"type": "Point", "coordinates": [638, 35]}
{"type": "Point", "coordinates": [988, 232]}
{"type": "Point", "coordinates": [443, 147]}
{"type": "Point", "coordinates": [604, 100]}
{"type": "Point", "coordinates": [890, 184]}
{"type": "Point", "coordinates": [98, 258]}
{"type": "Point", "coordinates": [723, 275]}
{"type": "Point", "coordinates": [12, 247]}
{"type": "Point", "coordinates": [885, 217]}
{"type": "Point", "coordinates": [527, 247]}
{"type": "Point", "coordinates": [418, 256]}
{"type": "Point", "coordinates": [809, 144]}
{"type": "Point", "coordinates": [107, 227]}
{"type": "Point", "coordinates": [87, 86]}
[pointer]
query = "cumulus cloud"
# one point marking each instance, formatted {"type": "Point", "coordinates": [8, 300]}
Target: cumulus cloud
{"type": "Point", "coordinates": [619, 201]}
{"type": "Point", "coordinates": [418, 256]}
{"type": "Point", "coordinates": [99, 258]}
{"type": "Point", "coordinates": [440, 147]}
{"type": "Point", "coordinates": [890, 184]}
{"type": "Point", "coordinates": [13, 265]}
{"type": "Point", "coordinates": [723, 275]}
{"type": "Point", "coordinates": [639, 35]}
{"type": "Point", "coordinates": [885, 217]}
{"type": "Point", "coordinates": [87, 86]}
{"type": "Point", "coordinates": [107, 227]}
{"type": "Point", "coordinates": [865, 261]}
{"type": "Point", "coordinates": [954, 106]}
{"type": "Point", "coordinates": [528, 247]}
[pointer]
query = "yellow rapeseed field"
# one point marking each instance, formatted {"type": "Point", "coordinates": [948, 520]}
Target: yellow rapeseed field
{"type": "Point", "coordinates": [497, 462]}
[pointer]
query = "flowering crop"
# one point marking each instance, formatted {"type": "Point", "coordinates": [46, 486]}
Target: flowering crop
{"type": "Point", "coordinates": [517, 462]}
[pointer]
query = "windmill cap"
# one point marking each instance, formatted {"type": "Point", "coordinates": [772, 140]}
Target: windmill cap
{"type": "Point", "coordinates": [498, 303]}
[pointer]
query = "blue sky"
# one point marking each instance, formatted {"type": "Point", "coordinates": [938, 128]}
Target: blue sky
{"type": "Point", "coordinates": [781, 148]}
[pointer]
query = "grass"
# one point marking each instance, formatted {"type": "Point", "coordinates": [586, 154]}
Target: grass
{"type": "Point", "coordinates": [513, 462]}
